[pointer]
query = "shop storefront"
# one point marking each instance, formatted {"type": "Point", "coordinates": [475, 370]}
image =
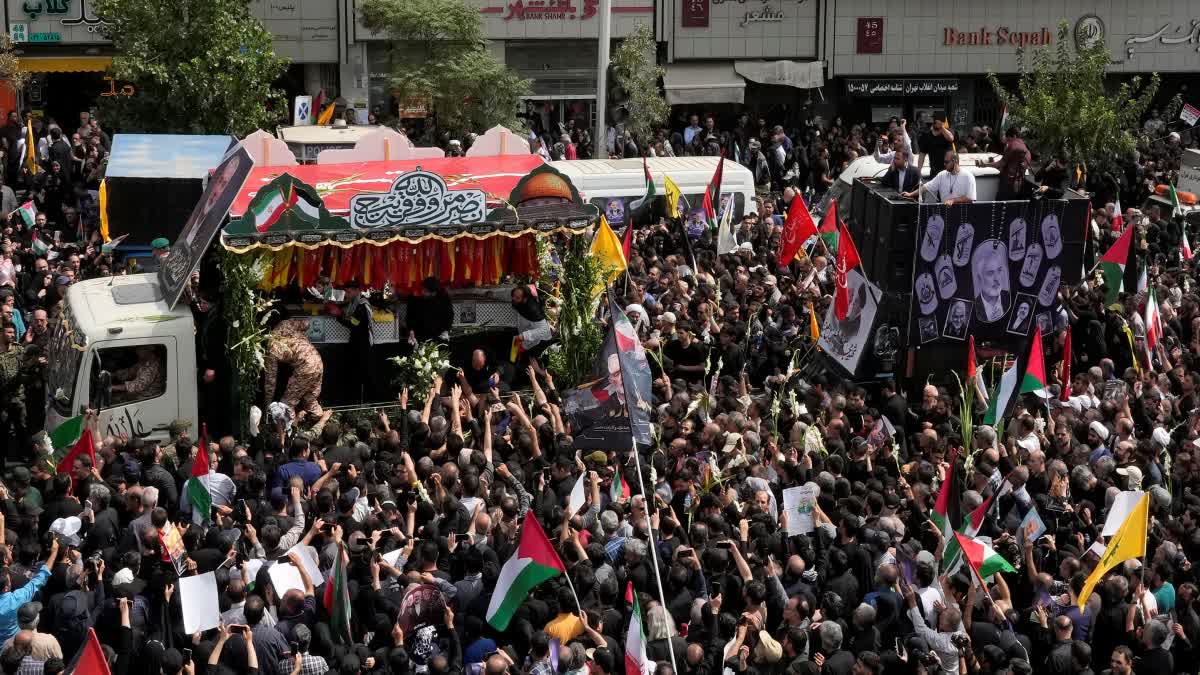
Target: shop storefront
{"type": "Point", "coordinates": [747, 54]}
{"type": "Point", "coordinates": [550, 42]}
{"type": "Point", "coordinates": [934, 61]}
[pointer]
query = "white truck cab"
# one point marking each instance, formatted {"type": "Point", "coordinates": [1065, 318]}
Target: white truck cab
{"type": "Point", "coordinates": [113, 331]}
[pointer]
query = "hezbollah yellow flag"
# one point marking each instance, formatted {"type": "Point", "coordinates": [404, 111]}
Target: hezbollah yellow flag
{"type": "Point", "coordinates": [607, 248]}
{"type": "Point", "coordinates": [104, 211]}
{"type": "Point", "coordinates": [31, 162]}
{"type": "Point", "coordinates": [814, 328]}
{"type": "Point", "coordinates": [673, 195]}
{"type": "Point", "coordinates": [1129, 542]}
{"type": "Point", "coordinates": [326, 114]}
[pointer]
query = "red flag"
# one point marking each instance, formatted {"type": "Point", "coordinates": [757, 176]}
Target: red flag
{"type": "Point", "coordinates": [1064, 375]}
{"type": "Point", "coordinates": [83, 446]}
{"type": "Point", "coordinates": [847, 259]}
{"type": "Point", "coordinates": [627, 242]}
{"type": "Point", "coordinates": [797, 229]}
{"type": "Point", "coordinates": [90, 660]}
{"type": "Point", "coordinates": [972, 365]}
{"type": "Point", "coordinates": [712, 194]}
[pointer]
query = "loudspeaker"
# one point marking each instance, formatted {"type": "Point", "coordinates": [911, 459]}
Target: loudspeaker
{"type": "Point", "coordinates": [859, 200]}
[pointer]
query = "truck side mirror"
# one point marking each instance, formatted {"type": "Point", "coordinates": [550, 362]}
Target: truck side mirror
{"type": "Point", "coordinates": [103, 394]}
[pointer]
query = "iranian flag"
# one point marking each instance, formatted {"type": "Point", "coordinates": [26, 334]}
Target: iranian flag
{"type": "Point", "coordinates": [941, 508]}
{"type": "Point", "coordinates": [534, 562]}
{"type": "Point", "coordinates": [28, 213]}
{"type": "Point", "coordinates": [1154, 329]}
{"type": "Point", "coordinates": [1034, 381]}
{"type": "Point", "coordinates": [651, 191]}
{"type": "Point", "coordinates": [982, 558]}
{"type": "Point", "coordinates": [1002, 396]}
{"type": "Point", "coordinates": [337, 599]}
{"type": "Point", "coordinates": [197, 490]}
{"type": "Point", "coordinates": [1112, 266]}
{"type": "Point", "coordinates": [1185, 247]}
{"type": "Point", "coordinates": [847, 259]}
{"type": "Point", "coordinates": [270, 207]}
{"type": "Point", "coordinates": [83, 446]}
{"type": "Point", "coordinates": [619, 489]}
{"type": "Point", "coordinates": [973, 372]}
{"type": "Point", "coordinates": [636, 662]}
{"type": "Point", "coordinates": [1175, 208]}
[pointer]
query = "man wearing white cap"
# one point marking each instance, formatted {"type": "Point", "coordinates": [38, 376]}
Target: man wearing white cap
{"type": "Point", "coordinates": [1133, 477]}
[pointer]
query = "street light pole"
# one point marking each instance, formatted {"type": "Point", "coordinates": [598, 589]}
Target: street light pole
{"type": "Point", "coordinates": [600, 140]}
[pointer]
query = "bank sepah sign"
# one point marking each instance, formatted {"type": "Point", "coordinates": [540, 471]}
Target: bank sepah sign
{"type": "Point", "coordinates": [999, 36]}
{"type": "Point", "coordinates": [57, 21]}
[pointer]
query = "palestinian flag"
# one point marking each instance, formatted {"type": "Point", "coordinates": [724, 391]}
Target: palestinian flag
{"type": "Point", "coordinates": [337, 599]}
{"type": "Point", "coordinates": [974, 374]}
{"type": "Point", "coordinates": [28, 214]}
{"type": "Point", "coordinates": [829, 228]}
{"type": "Point", "coordinates": [1002, 396]}
{"type": "Point", "coordinates": [90, 659]}
{"type": "Point", "coordinates": [83, 446]}
{"type": "Point", "coordinates": [1064, 374]}
{"type": "Point", "coordinates": [970, 527]}
{"type": "Point", "coordinates": [533, 563]}
{"type": "Point", "coordinates": [712, 195]}
{"type": "Point", "coordinates": [619, 489]}
{"type": "Point", "coordinates": [651, 191]}
{"type": "Point", "coordinates": [109, 246]}
{"type": "Point", "coordinates": [1175, 208]}
{"type": "Point", "coordinates": [197, 491]}
{"type": "Point", "coordinates": [1154, 328]}
{"type": "Point", "coordinates": [983, 559]}
{"type": "Point", "coordinates": [269, 207]}
{"type": "Point", "coordinates": [636, 662]}
{"type": "Point", "coordinates": [1185, 247]}
{"type": "Point", "coordinates": [943, 506]}
{"type": "Point", "coordinates": [1034, 381]}
{"type": "Point", "coordinates": [1112, 266]}
{"type": "Point", "coordinates": [64, 436]}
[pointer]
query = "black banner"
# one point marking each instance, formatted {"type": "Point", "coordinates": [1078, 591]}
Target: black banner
{"type": "Point", "coordinates": [902, 87]}
{"type": "Point", "coordinates": [993, 269]}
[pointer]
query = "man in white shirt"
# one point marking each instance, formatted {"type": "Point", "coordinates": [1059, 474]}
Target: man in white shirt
{"type": "Point", "coordinates": [692, 129]}
{"type": "Point", "coordinates": [951, 186]}
{"type": "Point", "coordinates": [899, 139]}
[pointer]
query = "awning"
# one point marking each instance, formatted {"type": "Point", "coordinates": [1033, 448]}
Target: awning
{"type": "Point", "coordinates": [64, 64]}
{"type": "Point", "coordinates": [808, 75]}
{"type": "Point", "coordinates": [692, 83]}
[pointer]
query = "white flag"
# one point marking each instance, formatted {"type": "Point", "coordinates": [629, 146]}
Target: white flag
{"type": "Point", "coordinates": [577, 496]}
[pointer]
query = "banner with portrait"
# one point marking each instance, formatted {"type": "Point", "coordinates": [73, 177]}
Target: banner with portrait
{"type": "Point", "coordinates": [993, 269]}
{"type": "Point", "coordinates": [847, 341]}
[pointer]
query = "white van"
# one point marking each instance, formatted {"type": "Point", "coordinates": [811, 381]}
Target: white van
{"type": "Point", "coordinates": [611, 184]}
{"type": "Point", "coordinates": [987, 180]}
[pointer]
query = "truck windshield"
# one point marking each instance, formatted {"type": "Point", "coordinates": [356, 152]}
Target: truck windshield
{"type": "Point", "coordinates": [67, 346]}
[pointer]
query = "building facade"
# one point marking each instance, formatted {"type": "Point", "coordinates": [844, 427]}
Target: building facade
{"type": "Point", "coordinates": [922, 58]}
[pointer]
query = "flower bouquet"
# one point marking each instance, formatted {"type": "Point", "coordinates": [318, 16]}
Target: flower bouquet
{"type": "Point", "coordinates": [418, 369]}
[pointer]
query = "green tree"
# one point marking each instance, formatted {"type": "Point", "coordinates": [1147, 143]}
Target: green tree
{"type": "Point", "coordinates": [10, 68]}
{"type": "Point", "coordinates": [637, 73]}
{"type": "Point", "coordinates": [197, 66]}
{"type": "Point", "coordinates": [1064, 101]}
{"type": "Point", "coordinates": [441, 55]}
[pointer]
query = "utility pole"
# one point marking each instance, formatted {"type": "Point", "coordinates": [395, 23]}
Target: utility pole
{"type": "Point", "coordinates": [600, 140]}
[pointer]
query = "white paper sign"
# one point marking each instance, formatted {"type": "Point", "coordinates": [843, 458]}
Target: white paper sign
{"type": "Point", "coordinates": [392, 556]}
{"type": "Point", "coordinates": [253, 567]}
{"type": "Point", "coordinates": [303, 112]}
{"type": "Point", "coordinates": [201, 608]}
{"type": "Point", "coordinates": [285, 577]}
{"type": "Point", "coordinates": [308, 556]}
{"type": "Point", "coordinates": [1122, 506]}
{"type": "Point", "coordinates": [798, 503]}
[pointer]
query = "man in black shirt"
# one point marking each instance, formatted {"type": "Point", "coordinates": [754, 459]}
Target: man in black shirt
{"type": "Point", "coordinates": [934, 144]}
{"type": "Point", "coordinates": [685, 354]}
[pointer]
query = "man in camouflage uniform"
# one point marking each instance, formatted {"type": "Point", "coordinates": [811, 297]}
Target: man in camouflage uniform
{"type": "Point", "coordinates": [13, 374]}
{"type": "Point", "coordinates": [289, 344]}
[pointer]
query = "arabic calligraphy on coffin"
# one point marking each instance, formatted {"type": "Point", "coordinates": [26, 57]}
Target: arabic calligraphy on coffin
{"type": "Point", "coordinates": [417, 198]}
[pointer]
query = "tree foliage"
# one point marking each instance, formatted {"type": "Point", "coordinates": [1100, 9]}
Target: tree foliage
{"type": "Point", "coordinates": [448, 62]}
{"type": "Point", "coordinates": [637, 72]}
{"type": "Point", "coordinates": [1064, 102]}
{"type": "Point", "coordinates": [579, 335]}
{"type": "Point", "coordinates": [10, 68]}
{"type": "Point", "coordinates": [197, 66]}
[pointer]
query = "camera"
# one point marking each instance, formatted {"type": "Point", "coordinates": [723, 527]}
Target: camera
{"type": "Point", "coordinates": [960, 641]}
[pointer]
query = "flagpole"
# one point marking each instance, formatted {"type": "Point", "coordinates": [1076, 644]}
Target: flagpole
{"type": "Point", "coordinates": [637, 458]}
